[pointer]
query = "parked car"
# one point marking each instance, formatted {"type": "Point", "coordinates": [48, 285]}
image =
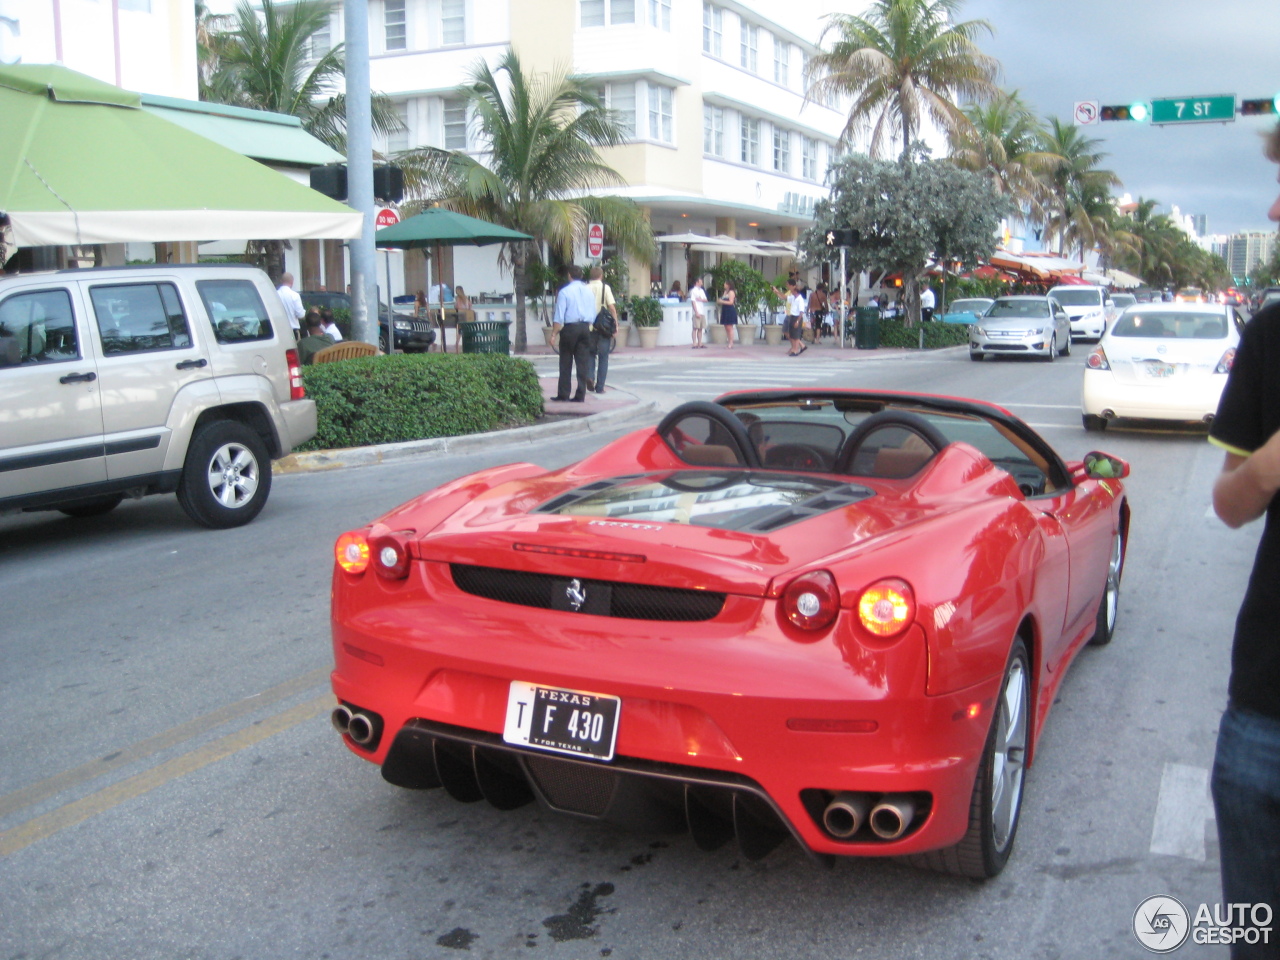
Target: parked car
{"type": "Point", "coordinates": [832, 615]}
{"type": "Point", "coordinates": [966, 310]}
{"type": "Point", "coordinates": [1162, 361]}
{"type": "Point", "coordinates": [1021, 325]}
{"type": "Point", "coordinates": [138, 380]}
{"type": "Point", "coordinates": [1087, 308]}
{"type": "Point", "coordinates": [413, 335]}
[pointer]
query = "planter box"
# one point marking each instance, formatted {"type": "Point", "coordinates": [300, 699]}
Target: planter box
{"type": "Point", "coordinates": [648, 336]}
{"type": "Point", "coordinates": [717, 334]}
{"type": "Point", "coordinates": [773, 334]}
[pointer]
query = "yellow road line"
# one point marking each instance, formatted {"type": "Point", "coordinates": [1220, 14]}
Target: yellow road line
{"type": "Point", "coordinates": [45, 825]}
{"type": "Point", "coordinates": [52, 786]}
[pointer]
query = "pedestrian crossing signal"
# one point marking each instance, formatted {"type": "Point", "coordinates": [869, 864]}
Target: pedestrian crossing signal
{"type": "Point", "coordinates": [840, 237]}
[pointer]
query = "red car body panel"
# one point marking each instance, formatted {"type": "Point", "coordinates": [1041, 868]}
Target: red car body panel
{"type": "Point", "coordinates": [984, 562]}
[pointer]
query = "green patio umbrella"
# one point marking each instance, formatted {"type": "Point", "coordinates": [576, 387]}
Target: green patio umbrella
{"type": "Point", "coordinates": [438, 227]}
{"type": "Point", "coordinates": [82, 162]}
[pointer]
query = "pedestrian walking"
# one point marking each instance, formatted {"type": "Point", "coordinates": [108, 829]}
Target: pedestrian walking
{"type": "Point", "coordinates": [819, 310]}
{"type": "Point", "coordinates": [575, 309]}
{"type": "Point", "coordinates": [1246, 765]}
{"type": "Point", "coordinates": [698, 301]}
{"type": "Point", "coordinates": [604, 328]}
{"type": "Point", "coordinates": [795, 319]}
{"type": "Point", "coordinates": [927, 303]}
{"type": "Point", "coordinates": [728, 303]}
{"type": "Point", "coordinates": [293, 308]}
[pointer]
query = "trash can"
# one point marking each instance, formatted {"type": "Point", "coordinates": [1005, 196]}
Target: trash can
{"type": "Point", "coordinates": [486, 336]}
{"type": "Point", "coordinates": [867, 329]}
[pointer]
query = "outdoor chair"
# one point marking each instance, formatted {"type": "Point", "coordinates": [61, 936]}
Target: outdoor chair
{"type": "Point", "coordinates": [345, 350]}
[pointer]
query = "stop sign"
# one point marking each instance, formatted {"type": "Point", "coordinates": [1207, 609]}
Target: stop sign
{"type": "Point", "coordinates": [386, 218]}
{"type": "Point", "coordinates": [595, 240]}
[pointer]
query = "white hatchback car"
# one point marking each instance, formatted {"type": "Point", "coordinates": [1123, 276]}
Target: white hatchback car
{"type": "Point", "coordinates": [1161, 361]}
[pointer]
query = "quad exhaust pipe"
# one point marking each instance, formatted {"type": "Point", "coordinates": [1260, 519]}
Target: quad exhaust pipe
{"type": "Point", "coordinates": [845, 815]}
{"type": "Point", "coordinates": [892, 816]}
{"type": "Point", "coordinates": [362, 728]}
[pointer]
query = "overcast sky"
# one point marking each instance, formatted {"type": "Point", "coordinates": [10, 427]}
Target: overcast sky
{"type": "Point", "coordinates": [1118, 51]}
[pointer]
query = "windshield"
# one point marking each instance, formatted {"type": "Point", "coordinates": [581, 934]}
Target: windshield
{"type": "Point", "coordinates": [1164, 325]}
{"type": "Point", "coordinates": [969, 306]}
{"type": "Point", "coordinates": [1077, 298]}
{"type": "Point", "coordinates": [1018, 308]}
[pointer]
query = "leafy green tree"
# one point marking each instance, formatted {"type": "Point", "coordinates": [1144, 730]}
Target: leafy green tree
{"type": "Point", "coordinates": [261, 60]}
{"type": "Point", "coordinates": [1005, 143]}
{"type": "Point", "coordinates": [541, 134]}
{"type": "Point", "coordinates": [1080, 190]}
{"type": "Point", "coordinates": [902, 61]}
{"type": "Point", "coordinates": [1267, 273]}
{"type": "Point", "coordinates": [905, 213]}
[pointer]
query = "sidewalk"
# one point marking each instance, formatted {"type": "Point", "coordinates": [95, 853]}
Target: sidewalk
{"type": "Point", "coordinates": [599, 412]}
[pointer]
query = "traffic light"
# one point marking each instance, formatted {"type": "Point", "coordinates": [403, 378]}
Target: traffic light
{"type": "Point", "coordinates": [1254, 108]}
{"type": "Point", "coordinates": [841, 237]}
{"type": "Point", "coordinates": [1139, 111]}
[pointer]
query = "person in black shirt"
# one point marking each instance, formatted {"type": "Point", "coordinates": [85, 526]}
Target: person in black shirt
{"type": "Point", "coordinates": [1246, 764]}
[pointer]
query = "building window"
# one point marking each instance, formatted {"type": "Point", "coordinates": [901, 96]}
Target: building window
{"type": "Point", "coordinates": [750, 47]}
{"type": "Point", "coordinates": [712, 130]}
{"type": "Point", "coordinates": [600, 13]}
{"type": "Point", "coordinates": [393, 21]}
{"type": "Point", "coordinates": [782, 150]}
{"type": "Point", "coordinates": [781, 61]}
{"type": "Point", "coordinates": [749, 141]}
{"type": "Point", "coordinates": [399, 139]}
{"type": "Point", "coordinates": [320, 42]}
{"type": "Point", "coordinates": [660, 113]}
{"type": "Point", "coordinates": [712, 30]}
{"type": "Point", "coordinates": [809, 158]}
{"type": "Point", "coordinates": [455, 124]}
{"type": "Point", "coordinates": [620, 98]}
{"type": "Point", "coordinates": [453, 21]}
{"type": "Point", "coordinates": [660, 14]}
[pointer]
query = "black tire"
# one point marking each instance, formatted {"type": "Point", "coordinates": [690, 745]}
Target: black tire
{"type": "Point", "coordinates": [227, 475]}
{"type": "Point", "coordinates": [1052, 351]}
{"type": "Point", "coordinates": [1093, 423]}
{"type": "Point", "coordinates": [985, 849]}
{"type": "Point", "coordinates": [92, 508]}
{"type": "Point", "coordinates": [1066, 348]}
{"type": "Point", "coordinates": [1104, 627]}
{"type": "Point", "coordinates": [382, 341]}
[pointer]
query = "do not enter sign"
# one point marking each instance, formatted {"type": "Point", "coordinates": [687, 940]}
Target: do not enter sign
{"type": "Point", "coordinates": [595, 240]}
{"type": "Point", "coordinates": [386, 218]}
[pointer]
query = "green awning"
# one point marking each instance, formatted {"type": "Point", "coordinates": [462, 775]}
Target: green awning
{"type": "Point", "coordinates": [82, 162]}
{"type": "Point", "coordinates": [270, 137]}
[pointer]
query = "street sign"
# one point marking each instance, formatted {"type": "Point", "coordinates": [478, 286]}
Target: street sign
{"type": "Point", "coordinates": [386, 218]}
{"type": "Point", "coordinates": [595, 240]}
{"type": "Point", "coordinates": [1214, 109]}
{"type": "Point", "coordinates": [1086, 112]}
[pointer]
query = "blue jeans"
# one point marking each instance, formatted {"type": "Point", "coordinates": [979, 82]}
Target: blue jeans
{"type": "Point", "coordinates": [598, 359]}
{"type": "Point", "coordinates": [1246, 798]}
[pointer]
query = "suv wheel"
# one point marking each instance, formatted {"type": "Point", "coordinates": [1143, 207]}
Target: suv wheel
{"type": "Point", "coordinates": [227, 476]}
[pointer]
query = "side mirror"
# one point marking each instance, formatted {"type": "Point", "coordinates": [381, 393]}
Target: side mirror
{"type": "Point", "coordinates": [1103, 466]}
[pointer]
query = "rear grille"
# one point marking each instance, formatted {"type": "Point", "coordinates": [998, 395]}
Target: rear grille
{"type": "Point", "coordinates": [573, 786]}
{"type": "Point", "coordinates": [627, 600]}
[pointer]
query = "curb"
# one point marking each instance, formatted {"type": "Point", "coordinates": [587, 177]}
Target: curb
{"type": "Point", "coordinates": [316, 461]}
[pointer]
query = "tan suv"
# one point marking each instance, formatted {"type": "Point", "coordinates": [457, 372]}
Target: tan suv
{"type": "Point", "coordinates": [129, 381]}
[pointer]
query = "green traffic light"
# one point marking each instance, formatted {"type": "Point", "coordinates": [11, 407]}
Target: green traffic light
{"type": "Point", "coordinates": [1140, 111]}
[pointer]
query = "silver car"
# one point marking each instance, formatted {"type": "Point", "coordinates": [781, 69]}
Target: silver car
{"type": "Point", "coordinates": [1026, 326]}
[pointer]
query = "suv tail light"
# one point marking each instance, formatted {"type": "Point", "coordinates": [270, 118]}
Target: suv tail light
{"type": "Point", "coordinates": [296, 390]}
{"type": "Point", "coordinates": [811, 601]}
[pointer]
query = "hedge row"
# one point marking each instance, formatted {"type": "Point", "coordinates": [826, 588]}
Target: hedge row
{"type": "Point", "coordinates": [390, 399]}
{"type": "Point", "coordinates": [895, 333]}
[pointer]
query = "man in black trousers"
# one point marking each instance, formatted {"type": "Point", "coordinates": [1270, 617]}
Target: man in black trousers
{"type": "Point", "coordinates": [575, 309]}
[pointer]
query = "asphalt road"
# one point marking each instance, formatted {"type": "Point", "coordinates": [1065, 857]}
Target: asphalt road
{"type": "Point", "coordinates": [170, 786]}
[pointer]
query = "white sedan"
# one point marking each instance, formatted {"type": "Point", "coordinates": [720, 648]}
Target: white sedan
{"type": "Point", "coordinates": [1161, 361]}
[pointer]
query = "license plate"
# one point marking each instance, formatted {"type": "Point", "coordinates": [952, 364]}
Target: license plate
{"type": "Point", "coordinates": [562, 721]}
{"type": "Point", "coordinates": [1159, 369]}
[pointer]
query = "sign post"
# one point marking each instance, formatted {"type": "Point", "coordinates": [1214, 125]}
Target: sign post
{"type": "Point", "coordinates": [387, 218]}
{"type": "Point", "coordinates": [595, 240]}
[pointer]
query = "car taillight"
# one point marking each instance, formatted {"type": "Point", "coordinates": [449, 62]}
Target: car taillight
{"type": "Point", "coordinates": [296, 390]}
{"type": "Point", "coordinates": [811, 601]}
{"type": "Point", "coordinates": [887, 607]}
{"type": "Point", "coordinates": [1228, 358]}
{"type": "Point", "coordinates": [1098, 360]}
{"type": "Point", "coordinates": [352, 552]}
{"type": "Point", "coordinates": [390, 556]}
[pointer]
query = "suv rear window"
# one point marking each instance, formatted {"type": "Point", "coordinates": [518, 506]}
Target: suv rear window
{"type": "Point", "coordinates": [235, 310]}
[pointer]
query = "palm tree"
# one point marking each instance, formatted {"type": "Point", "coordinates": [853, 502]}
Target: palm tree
{"type": "Point", "coordinates": [1080, 189]}
{"type": "Point", "coordinates": [264, 63]}
{"type": "Point", "coordinates": [902, 61]}
{"type": "Point", "coordinates": [1005, 143]}
{"type": "Point", "coordinates": [541, 134]}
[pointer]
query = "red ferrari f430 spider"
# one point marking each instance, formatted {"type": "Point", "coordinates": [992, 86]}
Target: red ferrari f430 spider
{"type": "Point", "coordinates": [835, 615]}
